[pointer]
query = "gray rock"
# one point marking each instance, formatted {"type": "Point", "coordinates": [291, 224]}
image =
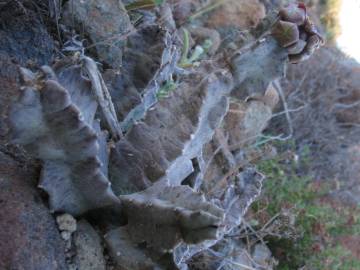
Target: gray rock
{"type": "Point", "coordinates": [89, 251]}
{"type": "Point", "coordinates": [24, 37]}
{"type": "Point", "coordinates": [106, 23]}
{"type": "Point", "coordinates": [262, 256]}
{"type": "Point", "coordinates": [127, 254]}
{"type": "Point", "coordinates": [65, 235]}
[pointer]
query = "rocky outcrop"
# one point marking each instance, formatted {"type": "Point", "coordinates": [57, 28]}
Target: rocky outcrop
{"type": "Point", "coordinates": [19, 31]}
{"type": "Point", "coordinates": [29, 238]}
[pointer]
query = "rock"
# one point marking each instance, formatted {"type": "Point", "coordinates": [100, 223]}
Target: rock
{"type": "Point", "coordinates": [173, 132]}
{"type": "Point", "coordinates": [29, 238]}
{"type": "Point", "coordinates": [89, 251]}
{"type": "Point", "coordinates": [126, 254]}
{"type": "Point", "coordinates": [105, 22]}
{"type": "Point", "coordinates": [240, 13]}
{"type": "Point", "coordinates": [66, 223]}
{"type": "Point", "coordinates": [271, 96]}
{"type": "Point", "coordinates": [65, 235]}
{"type": "Point", "coordinates": [262, 256]}
{"type": "Point", "coordinates": [9, 90]}
{"type": "Point", "coordinates": [24, 37]}
{"type": "Point", "coordinates": [245, 121]}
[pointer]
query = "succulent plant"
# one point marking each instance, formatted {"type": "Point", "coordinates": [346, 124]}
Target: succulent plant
{"type": "Point", "coordinates": [264, 63]}
{"type": "Point", "coordinates": [159, 219]}
{"type": "Point", "coordinates": [313, 43]}
{"type": "Point", "coordinates": [297, 48]}
{"type": "Point", "coordinates": [295, 31]}
{"type": "Point", "coordinates": [293, 13]}
{"type": "Point", "coordinates": [286, 33]}
{"type": "Point", "coordinates": [162, 146]}
{"type": "Point", "coordinates": [57, 126]}
{"type": "Point", "coordinates": [163, 216]}
{"type": "Point", "coordinates": [157, 167]}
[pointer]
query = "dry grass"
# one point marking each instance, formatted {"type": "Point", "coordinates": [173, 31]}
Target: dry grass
{"type": "Point", "coordinates": [329, 10]}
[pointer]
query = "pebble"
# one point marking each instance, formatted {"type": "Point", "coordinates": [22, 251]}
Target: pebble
{"type": "Point", "coordinates": [65, 235]}
{"type": "Point", "coordinates": [66, 223]}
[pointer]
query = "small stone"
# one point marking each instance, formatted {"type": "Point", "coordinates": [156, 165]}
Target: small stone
{"type": "Point", "coordinates": [66, 222]}
{"type": "Point", "coordinates": [68, 246]}
{"type": "Point", "coordinates": [262, 255]}
{"type": "Point", "coordinates": [72, 267]}
{"type": "Point", "coordinates": [65, 235]}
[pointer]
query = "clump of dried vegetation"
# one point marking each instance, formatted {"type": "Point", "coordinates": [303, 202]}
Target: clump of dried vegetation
{"type": "Point", "coordinates": [302, 214]}
{"type": "Point", "coordinates": [329, 10]}
{"type": "Point", "coordinates": [297, 219]}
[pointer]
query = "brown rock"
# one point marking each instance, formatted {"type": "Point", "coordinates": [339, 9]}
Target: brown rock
{"type": "Point", "coordinates": [245, 121]}
{"type": "Point", "coordinates": [9, 90]}
{"type": "Point", "coordinates": [29, 238]}
{"type": "Point", "coordinates": [240, 13]}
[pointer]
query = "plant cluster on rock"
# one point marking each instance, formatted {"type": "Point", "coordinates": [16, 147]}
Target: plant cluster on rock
{"type": "Point", "coordinates": [132, 141]}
